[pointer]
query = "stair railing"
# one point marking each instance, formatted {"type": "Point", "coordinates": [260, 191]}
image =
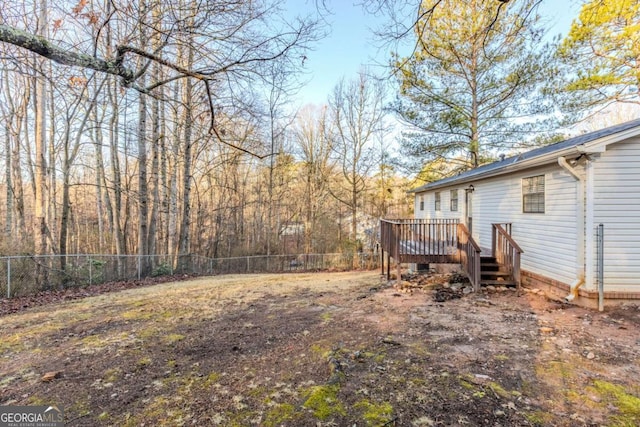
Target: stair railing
{"type": "Point", "coordinates": [469, 252]}
{"type": "Point", "coordinates": [506, 251]}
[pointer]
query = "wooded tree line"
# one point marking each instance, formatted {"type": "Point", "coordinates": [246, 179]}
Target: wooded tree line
{"type": "Point", "coordinates": [165, 127]}
{"type": "Point", "coordinates": [193, 148]}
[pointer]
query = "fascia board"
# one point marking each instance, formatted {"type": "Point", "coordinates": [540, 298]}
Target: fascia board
{"type": "Point", "coordinates": [527, 164]}
{"type": "Point", "coordinates": [597, 146]}
{"type": "Point", "coordinates": [600, 145]}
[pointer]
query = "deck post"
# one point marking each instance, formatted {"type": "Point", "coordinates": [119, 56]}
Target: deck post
{"type": "Point", "coordinates": [494, 232]}
{"type": "Point", "coordinates": [399, 238]}
{"type": "Point", "coordinates": [476, 271]}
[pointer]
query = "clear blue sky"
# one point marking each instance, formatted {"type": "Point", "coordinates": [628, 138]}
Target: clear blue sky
{"type": "Point", "coordinates": [351, 44]}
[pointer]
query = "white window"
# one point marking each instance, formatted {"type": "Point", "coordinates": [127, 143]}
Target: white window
{"type": "Point", "coordinates": [453, 201]}
{"type": "Point", "coordinates": [437, 201]}
{"type": "Point", "coordinates": [421, 203]}
{"type": "Point", "coordinates": [533, 194]}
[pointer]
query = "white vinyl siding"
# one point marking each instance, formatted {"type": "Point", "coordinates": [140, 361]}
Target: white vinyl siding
{"type": "Point", "coordinates": [445, 201]}
{"type": "Point", "coordinates": [617, 206]}
{"type": "Point", "coordinates": [548, 241]}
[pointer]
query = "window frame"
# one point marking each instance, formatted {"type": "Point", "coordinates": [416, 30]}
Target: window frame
{"type": "Point", "coordinates": [452, 207]}
{"type": "Point", "coordinates": [421, 203]}
{"type": "Point", "coordinates": [437, 202]}
{"type": "Point", "coordinates": [533, 194]}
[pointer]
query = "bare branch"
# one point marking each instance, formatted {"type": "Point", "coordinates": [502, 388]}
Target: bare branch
{"type": "Point", "coordinates": [45, 48]}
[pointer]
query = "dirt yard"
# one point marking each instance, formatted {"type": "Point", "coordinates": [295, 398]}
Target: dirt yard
{"type": "Point", "coordinates": [327, 349]}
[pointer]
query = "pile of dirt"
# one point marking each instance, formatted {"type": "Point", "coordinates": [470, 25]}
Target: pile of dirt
{"type": "Point", "coordinates": [443, 287]}
{"type": "Point", "coordinates": [443, 294]}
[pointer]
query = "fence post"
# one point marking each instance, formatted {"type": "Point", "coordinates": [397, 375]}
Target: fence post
{"type": "Point", "coordinates": [601, 267]}
{"type": "Point", "coordinates": [139, 266]}
{"type": "Point", "coordinates": [8, 277]}
{"type": "Point", "coordinates": [90, 276]}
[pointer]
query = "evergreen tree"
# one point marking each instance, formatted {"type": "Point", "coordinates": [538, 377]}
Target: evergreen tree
{"type": "Point", "coordinates": [602, 55]}
{"type": "Point", "coordinates": [474, 86]}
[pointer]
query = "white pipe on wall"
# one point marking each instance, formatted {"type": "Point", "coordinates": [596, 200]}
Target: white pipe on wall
{"type": "Point", "coordinates": [589, 225]}
{"type": "Point", "coordinates": [580, 229]}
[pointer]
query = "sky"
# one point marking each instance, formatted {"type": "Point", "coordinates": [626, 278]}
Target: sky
{"type": "Point", "coordinates": [351, 45]}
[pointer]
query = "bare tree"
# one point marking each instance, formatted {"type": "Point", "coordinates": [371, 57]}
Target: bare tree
{"type": "Point", "coordinates": [315, 143]}
{"type": "Point", "coordinates": [15, 102]}
{"type": "Point", "coordinates": [40, 106]}
{"type": "Point", "coordinates": [187, 138]}
{"type": "Point", "coordinates": [248, 35]}
{"type": "Point", "coordinates": [357, 113]}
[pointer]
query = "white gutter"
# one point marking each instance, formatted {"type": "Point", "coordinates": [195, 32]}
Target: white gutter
{"type": "Point", "coordinates": [589, 225]}
{"type": "Point", "coordinates": [580, 214]}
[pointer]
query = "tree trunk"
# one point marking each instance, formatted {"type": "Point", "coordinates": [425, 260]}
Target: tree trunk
{"type": "Point", "coordinates": [155, 142]}
{"type": "Point", "coordinates": [114, 136]}
{"type": "Point", "coordinates": [100, 205]}
{"type": "Point", "coordinates": [143, 195]}
{"type": "Point", "coordinates": [172, 226]}
{"type": "Point", "coordinates": [52, 187]}
{"type": "Point", "coordinates": [18, 189]}
{"type": "Point", "coordinates": [40, 221]}
{"type": "Point", "coordinates": [164, 213]}
{"type": "Point", "coordinates": [8, 225]}
{"type": "Point", "coordinates": [185, 233]}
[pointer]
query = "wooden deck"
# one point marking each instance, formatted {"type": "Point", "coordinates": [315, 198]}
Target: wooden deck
{"type": "Point", "coordinates": [430, 241]}
{"type": "Point", "coordinates": [447, 241]}
{"type": "Point", "coordinates": [421, 241]}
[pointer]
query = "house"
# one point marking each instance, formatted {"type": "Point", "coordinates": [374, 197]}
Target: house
{"type": "Point", "coordinates": [573, 209]}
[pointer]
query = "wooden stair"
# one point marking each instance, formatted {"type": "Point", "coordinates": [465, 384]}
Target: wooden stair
{"type": "Point", "coordinates": [494, 274]}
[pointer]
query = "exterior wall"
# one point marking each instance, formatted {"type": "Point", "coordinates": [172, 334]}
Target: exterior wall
{"type": "Point", "coordinates": [549, 240]}
{"type": "Point", "coordinates": [445, 212]}
{"type": "Point", "coordinates": [617, 206]}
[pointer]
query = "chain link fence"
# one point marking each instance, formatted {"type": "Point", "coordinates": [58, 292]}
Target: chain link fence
{"type": "Point", "coordinates": [25, 275]}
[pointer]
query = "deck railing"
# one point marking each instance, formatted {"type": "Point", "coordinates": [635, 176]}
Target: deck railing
{"type": "Point", "coordinates": [411, 239]}
{"type": "Point", "coordinates": [425, 241]}
{"type": "Point", "coordinates": [506, 251]}
{"type": "Point", "coordinates": [419, 241]}
{"type": "Point", "coordinates": [469, 255]}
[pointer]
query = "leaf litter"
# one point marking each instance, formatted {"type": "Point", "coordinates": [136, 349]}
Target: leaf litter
{"type": "Point", "coordinates": [322, 349]}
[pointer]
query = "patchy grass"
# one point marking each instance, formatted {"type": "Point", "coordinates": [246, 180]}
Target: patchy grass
{"type": "Point", "coordinates": [320, 349]}
{"type": "Point", "coordinates": [279, 414]}
{"type": "Point", "coordinates": [323, 401]}
{"type": "Point", "coordinates": [375, 414]}
{"type": "Point", "coordinates": [627, 406]}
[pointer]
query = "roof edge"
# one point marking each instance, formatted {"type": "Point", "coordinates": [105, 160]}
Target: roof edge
{"type": "Point", "coordinates": [515, 163]}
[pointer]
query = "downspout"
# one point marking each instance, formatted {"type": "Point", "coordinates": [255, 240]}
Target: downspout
{"type": "Point", "coordinates": [580, 280]}
{"type": "Point", "coordinates": [590, 226]}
